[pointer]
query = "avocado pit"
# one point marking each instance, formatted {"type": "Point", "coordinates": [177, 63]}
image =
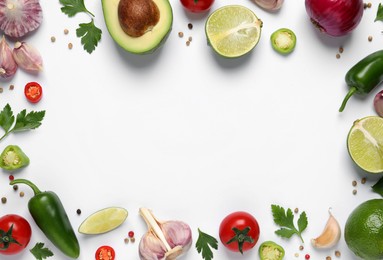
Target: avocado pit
{"type": "Point", "coordinates": [136, 17]}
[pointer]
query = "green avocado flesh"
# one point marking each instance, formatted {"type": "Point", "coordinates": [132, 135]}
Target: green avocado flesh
{"type": "Point", "coordinates": [146, 43]}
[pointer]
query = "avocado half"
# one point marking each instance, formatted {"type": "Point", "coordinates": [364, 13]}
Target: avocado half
{"type": "Point", "coordinates": [146, 43]}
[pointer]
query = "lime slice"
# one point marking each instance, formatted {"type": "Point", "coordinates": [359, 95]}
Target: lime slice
{"type": "Point", "coordinates": [103, 221]}
{"type": "Point", "coordinates": [365, 143]}
{"type": "Point", "coordinates": [233, 30]}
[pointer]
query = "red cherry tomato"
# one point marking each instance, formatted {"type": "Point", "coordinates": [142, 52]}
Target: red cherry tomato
{"type": "Point", "coordinates": [105, 253]}
{"type": "Point", "coordinates": [239, 231]}
{"type": "Point", "coordinates": [33, 92]}
{"type": "Point", "coordinates": [17, 231]}
{"type": "Point", "coordinates": [197, 6]}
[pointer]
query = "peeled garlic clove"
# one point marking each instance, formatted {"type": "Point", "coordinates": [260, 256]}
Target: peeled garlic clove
{"type": "Point", "coordinates": [27, 57]}
{"type": "Point", "coordinates": [330, 235]}
{"type": "Point", "coordinates": [8, 66]}
{"type": "Point", "coordinates": [270, 5]}
{"type": "Point", "coordinates": [19, 17]}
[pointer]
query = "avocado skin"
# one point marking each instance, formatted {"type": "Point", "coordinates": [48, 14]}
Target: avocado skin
{"type": "Point", "coordinates": [144, 44]}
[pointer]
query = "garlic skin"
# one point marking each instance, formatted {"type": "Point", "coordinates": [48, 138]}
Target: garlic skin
{"type": "Point", "coordinates": [164, 240]}
{"type": "Point", "coordinates": [269, 5]}
{"type": "Point", "coordinates": [330, 235]}
{"type": "Point", "coordinates": [8, 66]}
{"type": "Point", "coordinates": [27, 57]}
{"type": "Point", "coordinates": [19, 17]}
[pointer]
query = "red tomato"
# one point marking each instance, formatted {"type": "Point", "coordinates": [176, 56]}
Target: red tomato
{"type": "Point", "coordinates": [105, 253]}
{"type": "Point", "coordinates": [33, 92]}
{"type": "Point", "coordinates": [239, 231]}
{"type": "Point", "coordinates": [15, 229]}
{"type": "Point", "coordinates": [197, 6]}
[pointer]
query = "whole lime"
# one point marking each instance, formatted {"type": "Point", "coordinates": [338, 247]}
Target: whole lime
{"type": "Point", "coordinates": [363, 231]}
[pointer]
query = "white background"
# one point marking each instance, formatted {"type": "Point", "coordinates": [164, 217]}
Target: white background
{"type": "Point", "coordinates": [191, 135]}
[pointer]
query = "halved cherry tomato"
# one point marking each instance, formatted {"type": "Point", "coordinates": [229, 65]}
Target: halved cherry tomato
{"type": "Point", "coordinates": [197, 6]}
{"type": "Point", "coordinates": [15, 234]}
{"type": "Point", "coordinates": [33, 92]}
{"type": "Point", "coordinates": [239, 231]}
{"type": "Point", "coordinates": [105, 253]}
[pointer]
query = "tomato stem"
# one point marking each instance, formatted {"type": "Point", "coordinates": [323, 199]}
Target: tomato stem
{"type": "Point", "coordinates": [241, 236]}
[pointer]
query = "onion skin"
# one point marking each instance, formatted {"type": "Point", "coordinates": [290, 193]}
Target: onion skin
{"type": "Point", "coordinates": [269, 5]}
{"type": "Point", "coordinates": [335, 17]}
{"type": "Point", "coordinates": [378, 103]}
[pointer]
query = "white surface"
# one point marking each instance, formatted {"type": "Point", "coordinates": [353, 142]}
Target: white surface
{"type": "Point", "coordinates": [190, 135]}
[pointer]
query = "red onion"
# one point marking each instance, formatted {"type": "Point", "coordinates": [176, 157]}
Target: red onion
{"type": "Point", "coordinates": [335, 17]}
{"type": "Point", "coordinates": [378, 103]}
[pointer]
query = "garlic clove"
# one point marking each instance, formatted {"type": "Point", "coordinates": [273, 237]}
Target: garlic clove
{"type": "Point", "coordinates": [270, 5]}
{"type": "Point", "coordinates": [27, 57]}
{"type": "Point", "coordinates": [151, 248]}
{"type": "Point", "coordinates": [177, 233]}
{"type": "Point", "coordinates": [8, 66]}
{"type": "Point", "coordinates": [330, 235]}
{"type": "Point", "coordinates": [19, 17]}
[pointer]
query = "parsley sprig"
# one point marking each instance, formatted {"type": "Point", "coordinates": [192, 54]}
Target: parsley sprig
{"type": "Point", "coordinates": [89, 33]}
{"type": "Point", "coordinates": [24, 121]}
{"type": "Point", "coordinates": [204, 244]}
{"type": "Point", "coordinates": [40, 252]}
{"type": "Point", "coordinates": [285, 219]}
{"type": "Point", "coordinates": [379, 13]}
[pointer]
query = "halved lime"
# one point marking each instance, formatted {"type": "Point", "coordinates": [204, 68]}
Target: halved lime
{"type": "Point", "coordinates": [233, 30]}
{"type": "Point", "coordinates": [103, 221]}
{"type": "Point", "coordinates": [365, 143]}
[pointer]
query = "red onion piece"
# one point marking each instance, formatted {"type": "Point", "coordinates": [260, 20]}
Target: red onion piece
{"type": "Point", "coordinates": [335, 17]}
{"type": "Point", "coordinates": [378, 103]}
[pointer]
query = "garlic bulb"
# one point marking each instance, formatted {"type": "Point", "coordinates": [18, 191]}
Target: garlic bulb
{"type": "Point", "coordinates": [19, 17]}
{"type": "Point", "coordinates": [164, 240]}
{"type": "Point", "coordinates": [330, 235]}
{"type": "Point", "coordinates": [27, 57]}
{"type": "Point", "coordinates": [270, 5]}
{"type": "Point", "coordinates": [8, 65]}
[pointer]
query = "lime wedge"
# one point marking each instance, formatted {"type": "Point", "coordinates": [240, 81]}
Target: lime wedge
{"type": "Point", "coordinates": [103, 221]}
{"type": "Point", "coordinates": [233, 30]}
{"type": "Point", "coordinates": [365, 143]}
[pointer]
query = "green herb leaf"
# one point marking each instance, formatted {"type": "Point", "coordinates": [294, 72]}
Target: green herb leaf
{"type": "Point", "coordinates": [24, 121]}
{"type": "Point", "coordinates": [73, 7]}
{"type": "Point", "coordinates": [204, 244]}
{"type": "Point", "coordinates": [40, 252]}
{"type": "Point", "coordinates": [378, 187]}
{"type": "Point", "coordinates": [90, 35]}
{"type": "Point", "coordinates": [29, 121]}
{"type": "Point", "coordinates": [379, 13]}
{"type": "Point", "coordinates": [285, 219]}
{"type": "Point", "coordinates": [6, 118]}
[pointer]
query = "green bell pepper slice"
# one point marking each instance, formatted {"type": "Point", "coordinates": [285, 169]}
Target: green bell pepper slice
{"type": "Point", "coordinates": [13, 158]}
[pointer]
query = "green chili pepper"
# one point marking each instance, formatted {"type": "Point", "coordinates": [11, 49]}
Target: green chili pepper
{"type": "Point", "coordinates": [13, 158]}
{"type": "Point", "coordinates": [364, 76]}
{"type": "Point", "coordinates": [50, 216]}
{"type": "Point", "coordinates": [271, 251]}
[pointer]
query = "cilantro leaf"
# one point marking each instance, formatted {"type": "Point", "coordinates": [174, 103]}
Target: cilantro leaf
{"type": "Point", "coordinates": [203, 244]}
{"type": "Point", "coordinates": [379, 13]}
{"type": "Point", "coordinates": [40, 252]}
{"type": "Point", "coordinates": [6, 118]}
{"type": "Point", "coordinates": [285, 219]}
{"type": "Point", "coordinates": [378, 187]}
{"type": "Point", "coordinates": [90, 35]}
{"type": "Point", "coordinates": [24, 121]}
{"type": "Point", "coordinates": [73, 7]}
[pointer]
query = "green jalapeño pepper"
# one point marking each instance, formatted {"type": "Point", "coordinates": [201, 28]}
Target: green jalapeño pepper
{"type": "Point", "coordinates": [13, 158]}
{"type": "Point", "coordinates": [270, 250]}
{"type": "Point", "coordinates": [50, 216]}
{"type": "Point", "coordinates": [364, 76]}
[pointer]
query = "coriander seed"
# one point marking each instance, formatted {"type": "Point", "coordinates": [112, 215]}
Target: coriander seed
{"type": "Point", "coordinates": [369, 5]}
{"type": "Point", "coordinates": [328, 257]}
{"type": "Point", "coordinates": [22, 194]}
{"type": "Point", "coordinates": [181, 34]}
{"type": "Point", "coordinates": [341, 49]}
{"type": "Point", "coordinates": [363, 181]}
{"type": "Point", "coordinates": [1, 90]}
{"type": "Point", "coordinates": [190, 26]}
{"type": "Point", "coordinates": [301, 247]}
{"type": "Point", "coordinates": [187, 43]}
{"type": "Point", "coordinates": [354, 183]}
{"type": "Point", "coordinates": [53, 39]}
{"type": "Point", "coordinates": [354, 192]}
{"type": "Point", "coordinates": [15, 187]}
{"type": "Point", "coordinates": [70, 46]}
{"type": "Point", "coordinates": [132, 239]}
{"type": "Point", "coordinates": [296, 210]}
{"type": "Point", "coordinates": [11, 87]}
{"type": "Point", "coordinates": [66, 31]}
{"type": "Point", "coordinates": [3, 200]}
{"type": "Point", "coordinates": [78, 211]}
{"type": "Point", "coordinates": [370, 38]}
{"type": "Point", "coordinates": [126, 240]}
{"type": "Point", "coordinates": [190, 39]}
{"type": "Point", "coordinates": [337, 56]}
{"type": "Point", "coordinates": [337, 253]}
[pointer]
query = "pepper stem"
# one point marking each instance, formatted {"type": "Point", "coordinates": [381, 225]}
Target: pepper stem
{"type": "Point", "coordinates": [346, 98]}
{"type": "Point", "coordinates": [29, 183]}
